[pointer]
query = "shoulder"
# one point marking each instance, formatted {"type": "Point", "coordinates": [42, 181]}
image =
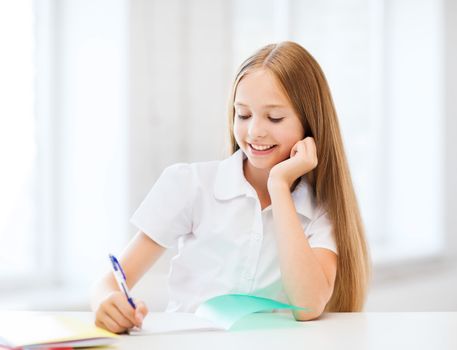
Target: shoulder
{"type": "Point", "coordinates": [196, 173]}
{"type": "Point", "coordinates": [223, 178]}
{"type": "Point", "coordinates": [305, 201]}
{"type": "Point", "coordinates": [319, 226]}
{"type": "Point", "coordinates": [307, 205]}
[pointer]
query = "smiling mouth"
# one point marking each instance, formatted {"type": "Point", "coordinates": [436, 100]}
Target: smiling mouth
{"type": "Point", "coordinates": [261, 148]}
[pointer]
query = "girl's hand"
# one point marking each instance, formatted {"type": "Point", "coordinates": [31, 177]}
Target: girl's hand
{"type": "Point", "coordinates": [303, 159]}
{"type": "Point", "coordinates": [116, 315]}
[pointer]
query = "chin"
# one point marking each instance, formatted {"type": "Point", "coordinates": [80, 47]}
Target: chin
{"type": "Point", "coordinates": [261, 164]}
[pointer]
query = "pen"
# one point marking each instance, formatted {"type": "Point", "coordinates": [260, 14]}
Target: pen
{"type": "Point", "coordinates": [120, 278]}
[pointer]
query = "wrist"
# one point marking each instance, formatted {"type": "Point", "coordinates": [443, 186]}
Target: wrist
{"type": "Point", "coordinates": [277, 184]}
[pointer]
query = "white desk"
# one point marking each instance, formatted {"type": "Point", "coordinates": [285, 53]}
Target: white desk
{"type": "Point", "coordinates": [431, 330]}
{"type": "Point", "coordinates": [421, 330]}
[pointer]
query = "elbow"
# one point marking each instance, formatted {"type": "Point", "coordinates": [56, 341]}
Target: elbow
{"type": "Point", "coordinates": [315, 306]}
{"type": "Point", "coordinates": [312, 313]}
{"type": "Point", "coordinates": [306, 315]}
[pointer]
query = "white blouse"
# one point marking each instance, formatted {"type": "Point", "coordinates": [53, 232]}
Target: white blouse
{"type": "Point", "coordinates": [226, 243]}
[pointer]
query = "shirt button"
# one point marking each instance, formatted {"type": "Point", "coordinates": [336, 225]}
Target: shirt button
{"type": "Point", "coordinates": [257, 237]}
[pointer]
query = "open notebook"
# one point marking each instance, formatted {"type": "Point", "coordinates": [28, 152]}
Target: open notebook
{"type": "Point", "coordinates": [218, 313]}
{"type": "Point", "coordinates": [35, 329]}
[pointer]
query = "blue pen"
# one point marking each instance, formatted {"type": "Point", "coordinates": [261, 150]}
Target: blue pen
{"type": "Point", "coordinates": [120, 278]}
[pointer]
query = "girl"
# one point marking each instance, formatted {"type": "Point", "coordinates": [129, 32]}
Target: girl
{"type": "Point", "coordinates": [278, 218]}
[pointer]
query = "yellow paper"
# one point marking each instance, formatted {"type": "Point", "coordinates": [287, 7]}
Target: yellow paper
{"type": "Point", "coordinates": [19, 329]}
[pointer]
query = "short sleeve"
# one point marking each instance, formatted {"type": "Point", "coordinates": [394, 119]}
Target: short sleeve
{"type": "Point", "coordinates": [166, 213]}
{"type": "Point", "coordinates": [320, 232]}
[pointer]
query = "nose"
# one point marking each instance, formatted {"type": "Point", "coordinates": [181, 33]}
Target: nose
{"type": "Point", "coordinates": [256, 128]}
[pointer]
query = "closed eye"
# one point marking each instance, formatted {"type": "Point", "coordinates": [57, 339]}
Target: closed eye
{"type": "Point", "coordinates": [274, 120]}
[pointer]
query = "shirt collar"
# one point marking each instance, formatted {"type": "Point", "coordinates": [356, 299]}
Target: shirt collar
{"type": "Point", "coordinates": [231, 183]}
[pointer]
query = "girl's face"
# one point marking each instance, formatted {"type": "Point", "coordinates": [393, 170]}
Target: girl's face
{"type": "Point", "coordinates": [266, 126]}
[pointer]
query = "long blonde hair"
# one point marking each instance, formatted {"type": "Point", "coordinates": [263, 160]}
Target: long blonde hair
{"type": "Point", "coordinates": [307, 89]}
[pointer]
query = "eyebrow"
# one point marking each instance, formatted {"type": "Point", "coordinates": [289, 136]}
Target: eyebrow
{"type": "Point", "coordinates": [267, 106]}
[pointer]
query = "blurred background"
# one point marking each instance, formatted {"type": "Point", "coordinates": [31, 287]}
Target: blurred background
{"type": "Point", "coordinates": [98, 96]}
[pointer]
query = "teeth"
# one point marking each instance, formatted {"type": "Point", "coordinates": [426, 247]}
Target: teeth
{"type": "Point", "coordinates": [261, 148]}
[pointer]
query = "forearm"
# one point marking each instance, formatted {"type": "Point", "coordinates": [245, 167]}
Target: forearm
{"type": "Point", "coordinates": [136, 259]}
{"type": "Point", "coordinates": [304, 280]}
{"type": "Point", "coordinates": [101, 289]}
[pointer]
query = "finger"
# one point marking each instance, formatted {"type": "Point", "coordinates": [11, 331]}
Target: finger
{"type": "Point", "coordinates": [311, 149]}
{"type": "Point", "coordinates": [300, 147]}
{"type": "Point", "coordinates": [142, 307]}
{"type": "Point", "coordinates": [100, 324]}
{"type": "Point", "coordinates": [294, 149]}
{"type": "Point", "coordinates": [126, 309]}
{"type": "Point", "coordinates": [111, 324]}
{"type": "Point", "coordinates": [310, 143]}
{"type": "Point", "coordinates": [117, 315]}
{"type": "Point", "coordinates": [141, 311]}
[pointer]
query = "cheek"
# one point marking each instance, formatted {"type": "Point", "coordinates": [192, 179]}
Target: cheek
{"type": "Point", "coordinates": [289, 138]}
{"type": "Point", "coordinates": [238, 131]}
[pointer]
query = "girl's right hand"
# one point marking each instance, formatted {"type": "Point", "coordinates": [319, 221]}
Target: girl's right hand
{"type": "Point", "coordinates": [116, 315]}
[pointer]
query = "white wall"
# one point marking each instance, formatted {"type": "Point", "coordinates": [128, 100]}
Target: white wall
{"type": "Point", "coordinates": [91, 125]}
{"type": "Point", "coordinates": [83, 123]}
{"type": "Point", "coordinates": [180, 70]}
{"type": "Point", "coordinates": [431, 285]}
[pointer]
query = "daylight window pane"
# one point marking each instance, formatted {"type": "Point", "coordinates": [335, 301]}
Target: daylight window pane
{"type": "Point", "coordinates": [17, 137]}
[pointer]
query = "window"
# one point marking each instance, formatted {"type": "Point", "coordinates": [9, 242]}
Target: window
{"type": "Point", "coordinates": [63, 135]}
{"type": "Point", "coordinates": [19, 148]}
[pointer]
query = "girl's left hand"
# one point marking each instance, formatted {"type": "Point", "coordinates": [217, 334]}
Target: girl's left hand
{"type": "Point", "coordinates": [303, 159]}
